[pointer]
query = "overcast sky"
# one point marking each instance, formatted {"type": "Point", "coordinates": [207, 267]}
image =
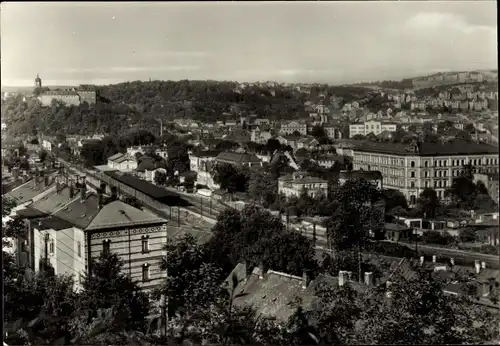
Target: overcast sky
{"type": "Point", "coordinates": [333, 42]}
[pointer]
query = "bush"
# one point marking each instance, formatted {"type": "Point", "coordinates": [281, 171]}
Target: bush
{"type": "Point", "coordinates": [436, 237]}
{"type": "Point", "coordinates": [390, 249]}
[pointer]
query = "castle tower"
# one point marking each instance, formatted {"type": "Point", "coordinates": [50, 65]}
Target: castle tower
{"type": "Point", "coordinates": [38, 81]}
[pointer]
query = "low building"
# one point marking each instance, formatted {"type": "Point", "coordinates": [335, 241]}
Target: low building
{"type": "Point", "coordinates": [294, 184]}
{"type": "Point", "coordinates": [239, 159]}
{"type": "Point", "coordinates": [328, 160]}
{"type": "Point", "coordinates": [122, 162]}
{"type": "Point", "coordinates": [397, 232]}
{"type": "Point", "coordinates": [259, 136]}
{"type": "Point", "coordinates": [198, 161]}
{"type": "Point", "coordinates": [333, 132]}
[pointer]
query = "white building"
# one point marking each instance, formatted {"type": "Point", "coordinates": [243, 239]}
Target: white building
{"type": "Point", "coordinates": [293, 185]}
{"type": "Point", "coordinates": [372, 126]}
{"type": "Point", "coordinates": [289, 127]}
{"type": "Point", "coordinates": [122, 162]}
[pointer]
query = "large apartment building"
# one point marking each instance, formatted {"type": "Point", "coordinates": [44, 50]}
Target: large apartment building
{"type": "Point", "coordinates": [290, 127]}
{"type": "Point", "coordinates": [410, 168]}
{"type": "Point", "coordinates": [372, 126]}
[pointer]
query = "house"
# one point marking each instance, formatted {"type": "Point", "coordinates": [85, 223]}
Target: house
{"type": "Point", "coordinates": [294, 184]}
{"type": "Point", "coordinates": [276, 294]}
{"type": "Point", "coordinates": [328, 160]}
{"type": "Point", "coordinates": [199, 159]}
{"type": "Point", "coordinates": [333, 132]}
{"type": "Point", "coordinates": [122, 162]}
{"type": "Point", "coordinates": [239, 159]}
{"type": "Point", "coordinates": [290, 127]}
{"type": "Point", "coordinates": [397, 232]}
{"type": "Point", "coordinates": [308, 142]}
{"type": "Point", "coordinates": [259, 136]}
{"type": "Point", "coordinates": [289, 140]}
{"type": "Point", "coordinates": [73, 236]}
{"type": "Point", "coordinates": [371, 176]}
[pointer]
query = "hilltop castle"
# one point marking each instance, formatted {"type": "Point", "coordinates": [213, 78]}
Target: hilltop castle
{"type": "Point", "coordinates": [69, 97]}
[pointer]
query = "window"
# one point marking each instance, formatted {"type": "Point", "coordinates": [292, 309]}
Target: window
{"type": "Point", "coordinates": [426, 174]}
{"type": "Point", "coordinates": [412, 164]}
{"type": "Point", "coordinates": [412, 184]}
{"type": "Point", "coordinates": [106, 246]}
{"type": "Point", "coordinates": [412, 174]}
{"type": "Point", "coordinates": [413, 199]}
{"type": "Point", "coordinates": [426, 164]}
{"type": "Point", "coordinates": [145, 244]}
{"type": "Point", "coordinates": [79, 249]}
{"type": "Point", "coordinates": [145, 272]}
{"type": "Point", "coordinates": [51, 247]}
{"type": "Point", "coordinates": [426, 184]}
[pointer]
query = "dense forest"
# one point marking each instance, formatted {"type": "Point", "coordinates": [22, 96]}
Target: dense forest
{"type": "Point", "coordinates": [140, 105]}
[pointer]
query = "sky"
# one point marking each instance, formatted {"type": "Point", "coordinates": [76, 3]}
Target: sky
{"type": "Point", "coordinates": [326, 42]}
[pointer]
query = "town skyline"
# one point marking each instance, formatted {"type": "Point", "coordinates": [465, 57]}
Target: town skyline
{"type": "Point", "coordinates": [286, 42]}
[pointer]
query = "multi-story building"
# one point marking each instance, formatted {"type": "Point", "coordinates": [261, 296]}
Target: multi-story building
{"type": "Point", "coordinates": [239, 159]}
{"type": "Point", "coordinates": [333, 132]}
{"type": "Point", "coordinates": [259, 136]}
{"type": "Point", "coordinates": [375, 177]}
{"type": "Point", "coordinates": [73, 97]}
{"type": "Point", "coordinates": [198, 161]}
{"type": "Point", "coordinates": [373, 126]}
{"type": "Point", "coordinates": [289, 127]}
{"type": "Point", "coordinates": [410, 168]}
{"type": "Point", "coordinates": [294, 184]}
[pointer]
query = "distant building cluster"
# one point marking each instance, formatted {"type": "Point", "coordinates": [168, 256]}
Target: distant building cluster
{"type": "Point", "coordinates": [453, 78]}
{"type": "Point", "coordinates": [73, 97]}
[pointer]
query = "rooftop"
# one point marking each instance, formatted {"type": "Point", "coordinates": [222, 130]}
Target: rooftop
{"type": "Point", "coordinates": [455, 147]}
{"type": "Point", "coordinates": [149, 189]}
{"type": "Point", "coordinates": [233, 157]}
{"type": "Point", "coordinates": [53, 222]}
{"type": "Point", "coordinates": [80, 213]}
{"type": "Point", "coordinates": [119, 214]}
{"type": "Point", "coordinates": [28, 191]}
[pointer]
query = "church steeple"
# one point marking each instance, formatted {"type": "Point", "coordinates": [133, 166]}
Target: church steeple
{"type": "Point", "coordinates": [38, 81]}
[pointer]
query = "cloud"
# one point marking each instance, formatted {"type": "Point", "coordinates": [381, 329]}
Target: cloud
{"type": "Point", "coordinates": [432, 21]}
{"type": "Point", "coordinates": [125, 69]}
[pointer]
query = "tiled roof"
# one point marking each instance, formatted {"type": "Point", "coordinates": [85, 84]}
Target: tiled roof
{"type": "Point", "coordinates": [272, 295]}
{"type": "Point", "coordinates": [233, 157]}
{"type": "Point", "coordinates": [53, 222]}
{"type": "Point", "coordinates": [115, 156]}
{"type": "Point", "coordinates": [147, 163]}
{"type": "Point", "coordinates": [146, 187]}
{"type": "Point", "coordinates": [206, 153]}
{"type": "Point", "coordinates": [79, 213]}
{"type": "Point", "coordinates": [123, 158]}
{"type": "Point", "coordinates": [455, 147]}
{"type": "Point", "coordinates": [119, 214]}
{"type": "Point", "coordinates": [30, 213]}
{"type": "Point", "coordinates": [28, 191]}
{"type": "Point", "coordinates": [54, 200]}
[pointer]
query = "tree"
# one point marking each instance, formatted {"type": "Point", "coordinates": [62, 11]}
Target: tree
{"type": "Point", "coordinates": [7, 205]}
{"type": "Point", "coordinates": [393, 199]}
{"type": "Point", "coordinates": [43, 156]}
{"type": "Point", "coordinates": [108, 287]}
{"type": "Point", "coordinates": [428, 202]}
{"type": "Point", "coordinates": [160, 178]}
{"type": "Point", "coordinates": [230, 178]}
{"type": "Point", "coordinates": [262, 188]}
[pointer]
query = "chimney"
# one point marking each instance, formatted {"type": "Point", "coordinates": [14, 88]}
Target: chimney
{"type": "Point", "coordinates": [46, 181]}
{"type": "Point", "coordinates": [100, 199]}
{"type": "Point", "coordinates": [304, 279]}
{"type": "Point", "coordinates": [58, 186]}
{"type": "Point", "coordinates": [388, 293]}
{"type": "Point", "coordinates": [433, 258]}
{"type": "Point", "coordinates": [82, 192]}
{"type": "Point", "coordinates": [71, 191]}
{"type": "Point", "coordinates": [477, 265]}
{"type": "Point", "coordinates": [483, 265]}
{"type": "Point", "coordinates": [368, 279]}
{"type": "Point", "coordinates": [452, 261]}
{"type": "Point", "coordinates": [342, 277]}
{"type": "Point", "coordinates": [422, 260]}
